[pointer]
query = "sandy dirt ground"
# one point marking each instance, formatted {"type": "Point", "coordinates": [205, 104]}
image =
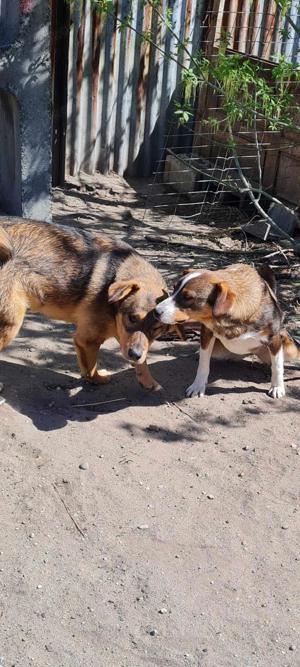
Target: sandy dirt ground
{"type": "Point", "coordinates": [147, 530]}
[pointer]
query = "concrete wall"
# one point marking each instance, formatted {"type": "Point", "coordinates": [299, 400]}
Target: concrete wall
{"type": "Point", "coordinates": [9, 21]}
{"type": "Point", "coordinates": [25, 108]}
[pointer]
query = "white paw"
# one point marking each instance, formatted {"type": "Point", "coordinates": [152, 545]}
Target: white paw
{"type": "Point", "coordinates": [196, 389]}
{"type": "Point", "coordinates": [277, 392]}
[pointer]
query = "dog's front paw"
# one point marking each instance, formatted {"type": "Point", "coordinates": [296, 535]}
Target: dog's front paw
{"type": "Point", "coordinates": [196, 389]}
{"type": "Point", "coordinates": [150, 386]}
{"type": "Point", "coordinates": [277, 392]}
{"type": "Point", "coordinates": [99, 377]}
{"type": "Point", "coordinates": [145, 379]}
{"type": "Point", "coordinates": [155, 387]}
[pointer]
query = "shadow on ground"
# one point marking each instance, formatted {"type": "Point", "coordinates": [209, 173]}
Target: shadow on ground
{"type": "Point", "coordinates": [51, 398]}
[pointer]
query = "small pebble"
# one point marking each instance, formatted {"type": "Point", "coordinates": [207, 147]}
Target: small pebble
{"type": "Point", "coordinates": [284, 527]}
{"type": "Point", "coordinates": [31, 535]}
{"type": "Point", "coordinates": [153, 633]}
{"type": "Point", "coordinates": [65, 481]}
{"type": "Point", "coordinates": [292, 647]}
{"type": "Point", "coordinates": [241, 474]}
{"type": "Point", "coordinates": [84, 466]}
{"type": "Point", "coordinates": [39, 586]}
{"type": "Point", "coordinates": [210, 496]}
{"type": "Point", "coordinates": [143, 526]}
{"type": "Point", "coordinates": [246, 447]}
{"type": "Point", "coordinates": [293, 446]}
{"type": "Point", "coordinates": [163, 610]}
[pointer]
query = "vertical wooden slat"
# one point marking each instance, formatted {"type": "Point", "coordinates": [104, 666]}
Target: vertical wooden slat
{"type": "Point", "coordinates": [257, 30]}
{"type": "Point", "coordinates": [245, 16]}
{"type": "Point", "coordinates": [231, 22]}
{"type": "Point", "coordinates": [269, 30]}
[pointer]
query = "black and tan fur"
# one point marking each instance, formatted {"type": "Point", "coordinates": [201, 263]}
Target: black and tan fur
{"type": "Point", "coordinates": [239, 314]}
{"type": "Point", "coordinates": [102, 286]}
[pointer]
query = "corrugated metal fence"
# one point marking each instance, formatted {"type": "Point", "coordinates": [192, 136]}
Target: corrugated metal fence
{"type": "Point", "coordinates": [121, 89]}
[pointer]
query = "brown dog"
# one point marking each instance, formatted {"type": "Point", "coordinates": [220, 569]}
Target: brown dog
{"type": "Point", "coordinates": [239, 315]}
{"type": "Point", "coordinates": [102, 286]}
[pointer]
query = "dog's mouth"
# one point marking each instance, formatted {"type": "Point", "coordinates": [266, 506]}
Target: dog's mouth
{"type": "Point", "coordinates": [156, 316]}
{"type": "Point", "coordinates": [136, 348]}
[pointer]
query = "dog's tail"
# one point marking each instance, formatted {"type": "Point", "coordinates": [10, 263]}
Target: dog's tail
{"type": "Point", "coordinates": [291, 347]}
{"type": "Point", "coordinates": [6, 249]}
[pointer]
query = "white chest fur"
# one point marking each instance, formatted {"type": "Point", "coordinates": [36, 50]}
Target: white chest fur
{"type": "Point", "coordinates": [244, 344]}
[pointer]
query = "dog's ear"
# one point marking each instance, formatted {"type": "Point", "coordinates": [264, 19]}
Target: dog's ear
{"type": "Point", "coordinates": [224, 299]}
{"type": "Point", "coordinates": [164, 296]}
{"type": "Point", "coordinates": [121, 289]}
{"type": "Point", "coordinates": [267, 274]}
{"type": "Point", "coordinates": [186, 271]}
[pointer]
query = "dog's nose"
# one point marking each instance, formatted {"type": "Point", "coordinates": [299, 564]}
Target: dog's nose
{"type": "Point", "coordinates": [134, 353]}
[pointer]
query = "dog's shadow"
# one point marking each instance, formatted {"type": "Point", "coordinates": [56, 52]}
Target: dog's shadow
{"type": "Point", "coordinates": [51, 399]}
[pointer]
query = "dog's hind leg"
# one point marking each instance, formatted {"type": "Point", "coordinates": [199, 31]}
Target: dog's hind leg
{"type": "Point", "coordinates": [11, 321]}
{"type": "Point", "coordinates": [87, 350]}
{"type": "Point", "coordinates": [10, 325]}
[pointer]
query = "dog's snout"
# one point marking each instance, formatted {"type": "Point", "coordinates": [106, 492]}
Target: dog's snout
{"type": "Point", "coordinates": [134, 353]}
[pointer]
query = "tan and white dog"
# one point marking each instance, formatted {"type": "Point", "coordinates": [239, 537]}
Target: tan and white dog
{"type": "Point", "coordinates": [239, 314]}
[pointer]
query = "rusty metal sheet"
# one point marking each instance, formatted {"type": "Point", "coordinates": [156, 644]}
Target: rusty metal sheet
{"type": "Point", "coordinates": [121, 89]}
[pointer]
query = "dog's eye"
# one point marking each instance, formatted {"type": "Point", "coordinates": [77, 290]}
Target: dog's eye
{"type": "Point", "coordinates": [187, 298]}
{"type": "Point", "coordinates": [132, 319]}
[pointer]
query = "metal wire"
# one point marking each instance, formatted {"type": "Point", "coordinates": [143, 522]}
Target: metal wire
{"type": "Point", "coordinates": [197, 173]}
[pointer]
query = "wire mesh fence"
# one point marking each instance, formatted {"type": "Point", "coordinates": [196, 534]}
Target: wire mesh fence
{"type": "Point", "coordinates": [208, 173]}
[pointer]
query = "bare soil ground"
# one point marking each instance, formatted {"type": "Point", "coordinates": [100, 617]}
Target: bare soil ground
{"type": "Point", "coordinates": [148, 530]}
